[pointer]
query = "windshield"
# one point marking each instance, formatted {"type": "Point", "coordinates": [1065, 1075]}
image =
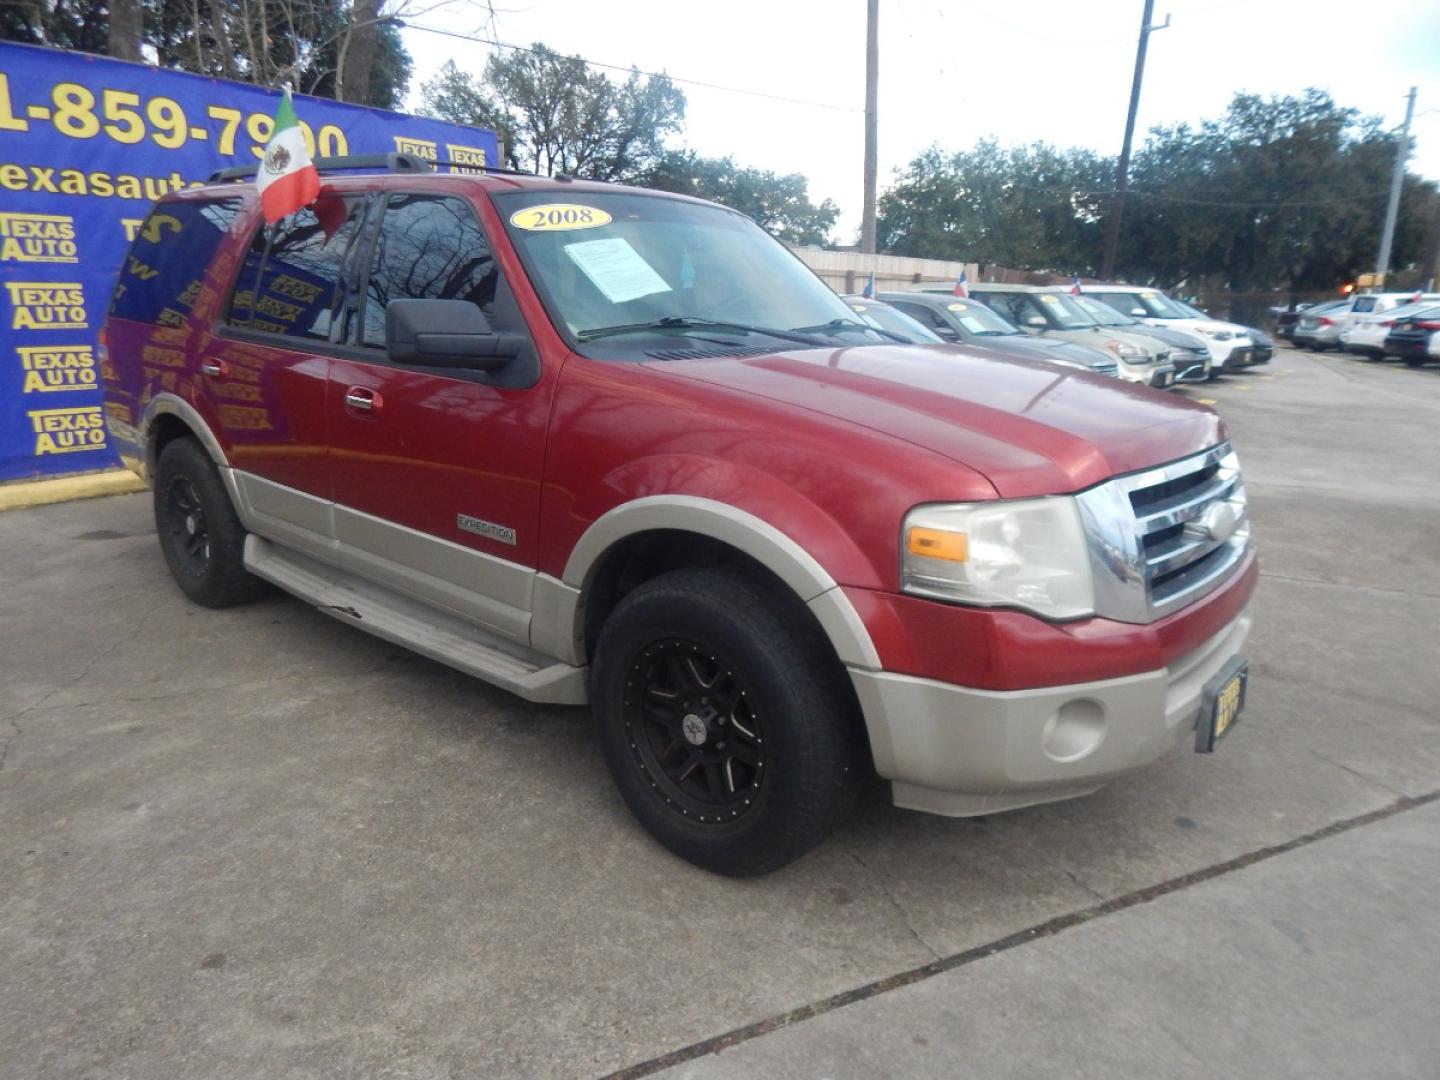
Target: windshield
{"type": "Point", "coordinates": [1103, 314]}
{"type": "Point", "coordinates": [980, 320]}
{"type": "Point", "coordinates": [620, 268]}
{"type": "Point", "coordinates": [884, 317]}
{"type": "Point", "coordinates": [1159, 306]}
{"type": "Point", "coordinates": [1063, 311]}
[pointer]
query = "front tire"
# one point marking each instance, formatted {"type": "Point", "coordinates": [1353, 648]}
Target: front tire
{"type": "Point", "coordinates": [200, 535]}
{"type": "Point", "coordinates": [729, 728]}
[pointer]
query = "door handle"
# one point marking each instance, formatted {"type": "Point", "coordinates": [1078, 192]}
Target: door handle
{"type": "Point", "coordinates": [216, 369]}
{"type": "Point", "coordinates": [363, 398]}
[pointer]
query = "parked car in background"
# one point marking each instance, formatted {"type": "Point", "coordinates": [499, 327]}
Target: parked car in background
{"type": "Point", "coordinates": [1319, 327]}
{"type": "Point", "coordinates": [957, 319]}
{"type": "Point", "coordinates": [1187, 352]}
{"type": "Point", "coordinates": [1229, 343]}
{"type": "Point", "coordinates": [1043, 313]}
{"type": "Point", "coordinates": [1415, 337]}
{"type": "Point", "coordinates": [1286, 319]}
{"type": "Point", "coordinates": [1367, 331]}
{"type": "Point", "coordinates": [1371, 304]}
{"type": "Point", "coordinates": [891, 321]}
{"type": "Point", "coordinates": [1262, 345]}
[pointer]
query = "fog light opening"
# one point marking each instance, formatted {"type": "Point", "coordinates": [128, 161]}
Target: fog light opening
{"type": "Point", "coordinates": [1075, 731]}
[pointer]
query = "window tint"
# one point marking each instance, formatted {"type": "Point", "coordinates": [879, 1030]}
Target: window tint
{"type": "Point", "coordinates": [161, 275]}
{"type": "Point", "coordinates": [1364, 303]}
{"type": "Point", "coordinates": [430, 248]}
{"type": "Point", "coordinates": [290, 281]}
{"type": "Point", "coordinates": [926, 316]}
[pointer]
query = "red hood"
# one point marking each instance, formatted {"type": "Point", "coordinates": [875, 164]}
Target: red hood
{"type": "Point", "coordinates": [1031, 428]}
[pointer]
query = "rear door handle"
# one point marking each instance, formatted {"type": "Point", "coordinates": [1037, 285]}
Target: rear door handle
{"type": "Point", "coordinates": [363, 399]}
{"type": "Point", "coordinates": [216, 369]}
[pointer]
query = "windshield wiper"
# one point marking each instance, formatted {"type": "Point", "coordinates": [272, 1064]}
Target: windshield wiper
{"type": "Point", "coordinates": [839, 326]}
{"type": "Point", "coordinates": [686, 322]}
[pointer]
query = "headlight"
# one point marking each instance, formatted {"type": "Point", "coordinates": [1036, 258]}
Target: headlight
{"type": "Point", "coordinates": [1218, 335]}
{"type": "Point", "coordinates": [1025, 553]}
{"type": "Point", "coordinates": [1129, 352]}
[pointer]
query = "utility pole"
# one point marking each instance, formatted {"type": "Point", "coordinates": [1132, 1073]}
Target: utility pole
{"type": "Point", "coordinates": [1397, 178]}
{"type": "Point", "coordinates": [872, 83]}
{"type": "Point", "coordinates": [1122, 171]}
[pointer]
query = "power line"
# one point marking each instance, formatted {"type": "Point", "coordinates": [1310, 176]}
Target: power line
{"type": "Point", "coordinates": [627, 70]}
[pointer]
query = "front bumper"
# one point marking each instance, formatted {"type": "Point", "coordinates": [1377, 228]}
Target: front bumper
{"type": "Point", "coordinates": [959, 752]}
{"type": "Point", "coordinates": [1162, 376]}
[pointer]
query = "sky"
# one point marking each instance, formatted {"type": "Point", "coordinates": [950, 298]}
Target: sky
{"type": "Point", "coordinates": [953, 72]}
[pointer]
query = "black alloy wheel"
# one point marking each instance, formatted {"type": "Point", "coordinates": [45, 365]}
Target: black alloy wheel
{"type": "Point", "coordinates": [200, 534]}
{"type": "Point", "coordinates": [189, 531]}
{"type": "Point", "coordinates": [694, 731]}
{"type": "Point", "coordinates": [727, 722]}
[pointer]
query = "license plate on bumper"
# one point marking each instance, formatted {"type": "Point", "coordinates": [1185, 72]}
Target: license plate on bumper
{"type": "Point", "coordinates": [1222, 703]}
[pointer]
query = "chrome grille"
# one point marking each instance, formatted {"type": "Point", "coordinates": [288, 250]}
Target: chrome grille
{"type": "Point", "coordinates": [1166, 536]}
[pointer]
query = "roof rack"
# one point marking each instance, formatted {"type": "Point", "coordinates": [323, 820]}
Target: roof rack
{"type": "Point", "coordinates": [392, 162]}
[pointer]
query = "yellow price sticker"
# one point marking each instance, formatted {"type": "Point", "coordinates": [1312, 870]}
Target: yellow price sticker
{"type": "Point", "coordinates": [555, 217]}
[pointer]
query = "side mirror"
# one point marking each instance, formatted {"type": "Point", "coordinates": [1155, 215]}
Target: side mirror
{"type": "Point", "coordinates": [1035, 322]}
{"type": "Point", "coordinates": [1138, 313]}
{"type": "Point", "coordinates": [949, 333]}
{"type": "Point", "coordinates": [446, 334]}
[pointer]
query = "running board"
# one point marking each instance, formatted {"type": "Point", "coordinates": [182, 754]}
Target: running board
{"type": "Point", "coordinates": [417, 626]}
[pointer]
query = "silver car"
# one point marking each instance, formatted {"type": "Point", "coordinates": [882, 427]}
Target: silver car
{"type": "Point", "coordinates": [1318, 327]}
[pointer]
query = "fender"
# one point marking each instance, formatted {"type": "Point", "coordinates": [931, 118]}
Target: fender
{"type": "Point", "coordinates": [757, 538]}
{"type": "Point", "coordinates": [166, 403]}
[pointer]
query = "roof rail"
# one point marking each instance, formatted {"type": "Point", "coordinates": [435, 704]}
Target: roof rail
{"type": "Point", "coordinates": [388, 162]}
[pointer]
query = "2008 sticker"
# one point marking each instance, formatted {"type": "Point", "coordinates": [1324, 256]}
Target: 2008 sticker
{"type": "Point", "coordinates": [554, 217]}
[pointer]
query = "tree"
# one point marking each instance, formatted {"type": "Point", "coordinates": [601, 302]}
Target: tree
{"type": "Point", "coordinates": [780, 204]}
{"type": "Point", "coordinates": [557, 115]}
{"type": "Point", "coordinates": [264, 42]}
{"type": "Point", "coordinates": [1027, 206]}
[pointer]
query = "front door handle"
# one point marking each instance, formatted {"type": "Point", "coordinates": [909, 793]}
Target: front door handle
{"type": "Point", "coordinates": [216, 369]}
{"type": "Point", "coordinates": [363, 399]}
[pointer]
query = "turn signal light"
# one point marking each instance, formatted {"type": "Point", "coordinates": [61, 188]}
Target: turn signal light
{"type": "Point", "coordinates": [937, 544]}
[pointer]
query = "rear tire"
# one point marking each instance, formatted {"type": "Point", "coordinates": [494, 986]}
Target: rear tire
{"type": "Point", "coordinates": [729, 728]}
{"type": "Point", "coordinates": [200, 535]}
{"type": "Point", "coordinates": [1414, 361]}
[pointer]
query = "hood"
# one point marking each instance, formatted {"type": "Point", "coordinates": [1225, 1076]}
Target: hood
{"type": "Point", "coordinates": [1175, 339]}
{"type": "Point", "coordinates": [1030, 428]}
{"type": "Point", "coordinates": [1194, 326]}
{"type": "Point", "coordinates": [1095, 337]}
{"type": "Point", "coordinates": [1040, 348]}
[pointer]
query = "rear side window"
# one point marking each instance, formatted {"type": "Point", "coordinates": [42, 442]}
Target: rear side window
{"type": "Point", "coordinates": [430, 247]}
{"type": "Point", "coordinates": [290, 281]}
{"type": "Point", "coordinates": [161, 275]}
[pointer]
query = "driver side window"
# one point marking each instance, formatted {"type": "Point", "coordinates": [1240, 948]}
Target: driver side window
{"type": "Point", "coordinates": [430, 247]}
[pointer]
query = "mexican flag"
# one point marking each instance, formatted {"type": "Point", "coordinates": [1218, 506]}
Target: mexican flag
{"type": "Point", "coordinates": [287, 178]}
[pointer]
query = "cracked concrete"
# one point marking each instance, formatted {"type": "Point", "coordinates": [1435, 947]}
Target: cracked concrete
{"type": "Point", "coordinates": [260, 842]}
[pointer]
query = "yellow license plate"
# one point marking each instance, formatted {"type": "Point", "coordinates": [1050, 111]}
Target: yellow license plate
{"type": "Point", "coordinates": [1227, 705]}
{"type": "Point", "coordinates": [1225, 698]}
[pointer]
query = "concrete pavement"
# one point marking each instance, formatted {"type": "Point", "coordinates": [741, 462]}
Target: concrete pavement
{"type": "Point", "coordinates": [1318, 962]}
{"type": "Point", "coordinates": [257, 842]}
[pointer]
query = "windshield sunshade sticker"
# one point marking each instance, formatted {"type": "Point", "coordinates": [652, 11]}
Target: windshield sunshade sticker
{"type": "Point", "coordinates": [556, 217]}
{"type": "Point", "coordinates": [616, 269]}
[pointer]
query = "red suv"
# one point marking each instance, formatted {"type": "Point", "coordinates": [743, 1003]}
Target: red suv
{"type": "Point", "coordinates": [593, 443]}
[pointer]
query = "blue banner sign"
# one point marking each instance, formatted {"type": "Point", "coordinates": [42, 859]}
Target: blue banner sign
{"type": "Point", "coordinates": [86, 144]}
